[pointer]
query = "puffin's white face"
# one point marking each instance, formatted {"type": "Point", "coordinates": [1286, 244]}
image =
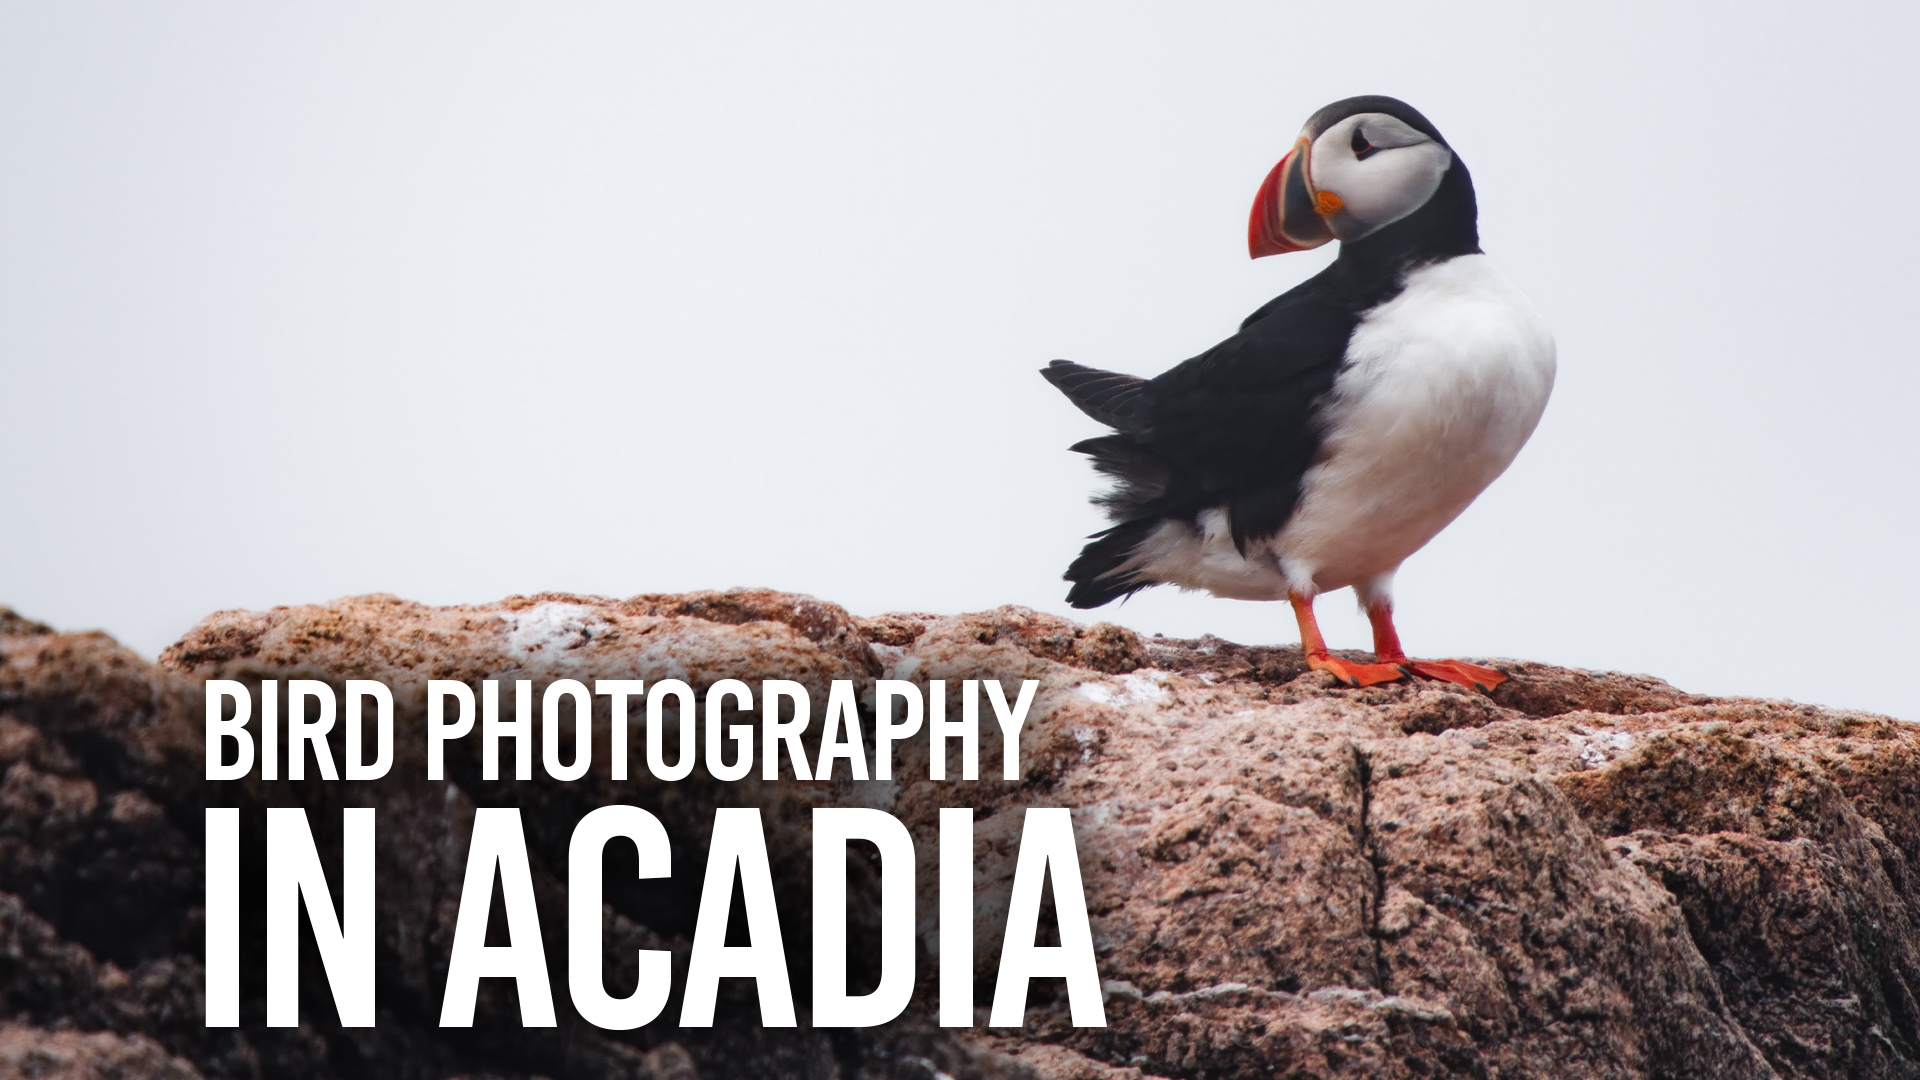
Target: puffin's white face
{"type": "Point", "coordinates": [1371, 170]}
{"type": "Point", "coordinates": [1362, 173]}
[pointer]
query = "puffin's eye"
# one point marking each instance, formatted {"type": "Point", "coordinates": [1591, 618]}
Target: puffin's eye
{"type": "Point", "coordinates": [1362, 149]}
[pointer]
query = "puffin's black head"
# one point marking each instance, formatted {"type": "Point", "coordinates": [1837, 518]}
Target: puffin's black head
{"type": "Point", "coordinates": [1359, 166]}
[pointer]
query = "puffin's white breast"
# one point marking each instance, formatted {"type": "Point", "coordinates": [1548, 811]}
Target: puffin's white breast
{"type": "Point", "coordinates": [1442, 386]}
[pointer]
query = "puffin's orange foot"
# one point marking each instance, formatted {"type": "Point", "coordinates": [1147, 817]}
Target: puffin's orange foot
{"type": "Point", "coordinates": [1356, 674]}
{"type": "Point", "coordinates": [1458, 672]}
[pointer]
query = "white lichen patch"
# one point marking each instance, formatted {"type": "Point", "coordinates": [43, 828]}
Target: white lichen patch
{"type": "Point", "coordinates": [552, 627]}
{"type": "Point", "coordinates": [1596, 748]}
{"type": "Point", "coordinates": [1094, 816]}
{"type": "Point", "coordinates": [1087, 738]}
{"type": "Point", "coordinates": [1146, 687]}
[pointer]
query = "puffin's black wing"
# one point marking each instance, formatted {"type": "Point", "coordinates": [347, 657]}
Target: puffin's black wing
{"type": "Point", "coordinates": [1233, 427]}
{"type": "Point", "coordinates": [1236, 423]}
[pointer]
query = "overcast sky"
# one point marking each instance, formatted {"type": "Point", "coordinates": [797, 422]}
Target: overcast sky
{"type": "Point", "coordinates": [458, 302]}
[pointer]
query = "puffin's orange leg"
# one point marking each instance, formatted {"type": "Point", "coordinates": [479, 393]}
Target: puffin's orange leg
{"type": "Point", "coordinates": [1320, 660]}
{"type": "Point", "coordinates": [1386, 640]}
{"type": "Point", "coordinates": [1386, 646]}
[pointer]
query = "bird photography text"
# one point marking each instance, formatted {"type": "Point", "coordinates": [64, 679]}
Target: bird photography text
{"type": "Point", "coordinates": [771, 743]}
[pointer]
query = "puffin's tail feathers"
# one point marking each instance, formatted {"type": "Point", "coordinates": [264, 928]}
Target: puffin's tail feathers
{"type": "Point", "coordinates": [1101, 575]}
{"type": "Point", "coordinates": [1140, 477]}
{"type": "Point", "coordinates": [1107, 396]}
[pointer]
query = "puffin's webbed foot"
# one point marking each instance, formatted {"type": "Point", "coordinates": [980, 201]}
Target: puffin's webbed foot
{"type": "Point", "coordinates": [1356, 674]}
{"type": "Point", "coordinates": [1386, 648]}
{"type": "Point", "coordinates": [1458, 672]}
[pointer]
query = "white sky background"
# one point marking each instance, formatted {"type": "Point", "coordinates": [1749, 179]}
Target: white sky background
{"type": "Point", "coordinates": [460, 302]}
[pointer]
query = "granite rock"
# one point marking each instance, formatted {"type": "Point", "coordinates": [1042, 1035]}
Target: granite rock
{"type": "Point", "coordinates": [1584, 875]}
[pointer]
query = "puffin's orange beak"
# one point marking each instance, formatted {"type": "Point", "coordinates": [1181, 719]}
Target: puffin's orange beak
{"type": "Point", "coordinates": [1285, 217]}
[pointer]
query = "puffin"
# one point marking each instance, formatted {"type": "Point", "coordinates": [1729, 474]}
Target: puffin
{"type": "Point", "coordinates": [1348, 421]}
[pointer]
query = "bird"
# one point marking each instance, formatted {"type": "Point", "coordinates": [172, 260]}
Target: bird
{"type": "Point", "coordinates": [1348, 421]}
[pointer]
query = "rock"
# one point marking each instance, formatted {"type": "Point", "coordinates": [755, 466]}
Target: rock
{"type": "Point", "coordinates": [1584, 875]}
{"type": "Point", "coordinates": [29, 1053]}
